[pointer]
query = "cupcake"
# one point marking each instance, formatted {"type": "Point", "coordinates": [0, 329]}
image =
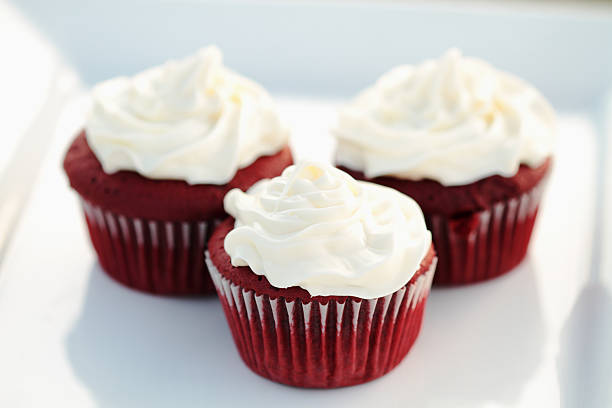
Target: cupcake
{"type": "Point", "coordinates": [157, 154]}
{"type": "Point", "coordinates": [323, 279]}
{"type": "Point", "coordinates": [471, 144]}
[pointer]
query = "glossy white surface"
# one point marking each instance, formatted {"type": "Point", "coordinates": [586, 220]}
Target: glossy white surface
{"type": "Point", "coordinates": [71, 337]}
{"type": "Point", "coordinates": [28, 68]}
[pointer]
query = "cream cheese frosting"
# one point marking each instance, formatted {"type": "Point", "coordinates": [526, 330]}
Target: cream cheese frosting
{"type": "Point", "coordinates": [454, 120]}
{"type": "Point", "coordinates": [318, 228]}
{"type": "Point", "coordinates": [191, 119]}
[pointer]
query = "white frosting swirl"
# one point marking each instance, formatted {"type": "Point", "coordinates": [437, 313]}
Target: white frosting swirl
{"type": "Point", "coordinates": [455, 120]}
{"type": "Point", "coordinates": [191, 119]}
{"type": "Point", "coordinates": [318, 228]}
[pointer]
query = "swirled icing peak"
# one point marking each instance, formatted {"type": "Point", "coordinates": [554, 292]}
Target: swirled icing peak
{"type": "Point", "coordinates": [317, 228]}
{"type": "Point", "coordinates": [191, 119]}
{"type": "Point", "coordinates": [455, 120]}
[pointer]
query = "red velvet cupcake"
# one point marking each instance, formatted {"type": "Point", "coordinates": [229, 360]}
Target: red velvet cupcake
{"type": "Point", "coordinates": [323, 279]}
{"type": "Point", "coordinates": [158, 153]}
{"type": "Point", "coordinates": [472, 145]}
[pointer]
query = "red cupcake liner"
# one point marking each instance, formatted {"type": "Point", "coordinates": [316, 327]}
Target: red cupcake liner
{"type": "Point", "coordinates": [485, 244]}
{"type": "Point", "coordinates": [158, 257]}
{"type": "Point", "coordinates": [323, 344]}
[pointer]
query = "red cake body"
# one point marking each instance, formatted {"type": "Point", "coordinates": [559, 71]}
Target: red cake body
{"type": "Point", "coordinates": [245, 277]}
{"type": "Point", "coordinates": [130, 194]}
{"type": "Point", "coordinates": [149, 234]}
{"type": "Point", "coordinates": [291, 337]}
{"type": "Point", "coordinates": [480, 230]}
{"type": "Point", "coordinates": [450, 201]}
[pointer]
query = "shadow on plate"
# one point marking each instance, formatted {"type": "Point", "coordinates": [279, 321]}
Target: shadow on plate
{"type": "Point", "coordinates": [130, 349]}
{"type": "Point", "coordinates": [584, 363]}
{"type": "Point", "coordinates": [479, 343]}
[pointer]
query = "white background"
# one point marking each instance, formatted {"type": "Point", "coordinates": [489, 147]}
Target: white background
{"type": "Point", "coordinates": [71, 337]}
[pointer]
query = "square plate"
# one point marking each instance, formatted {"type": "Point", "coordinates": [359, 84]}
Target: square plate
{"type": "Point", "coordinates": [539, 336]}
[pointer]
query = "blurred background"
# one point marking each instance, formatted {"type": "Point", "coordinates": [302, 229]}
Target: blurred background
{"type": "Point", "coordinates": [316, 48]}
{"type": "Point", "coordinates": [311, 55]}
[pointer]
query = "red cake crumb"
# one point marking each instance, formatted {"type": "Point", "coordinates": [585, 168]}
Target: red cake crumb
{"type": "Point", "coordinates": [450, 201]}
{"type": "Point", "coordinates": [132, 195]}
{"type": "Point", "coordinates": [246, 278]}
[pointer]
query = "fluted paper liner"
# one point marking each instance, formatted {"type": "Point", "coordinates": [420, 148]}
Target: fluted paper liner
{"type": "Point", "coordinates": [323, 345]}
{"type": "Point", "coordinates": [485, 244]}
{"type": "Point", "coordinates": [153, 256]}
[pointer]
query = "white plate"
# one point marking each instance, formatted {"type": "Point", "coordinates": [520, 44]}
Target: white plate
{"type": "Point", "coordinates": [70, 336]}
{"type": "Point", "coordinates": [537, 337]}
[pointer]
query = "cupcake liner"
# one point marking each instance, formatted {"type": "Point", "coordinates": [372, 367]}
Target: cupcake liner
{"type": "Point", "coordinates": [152, 256]}
{"type": "Point", "coordinates": [323, 344]}
{"type": "Point", "coordinates": [485, 244]}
